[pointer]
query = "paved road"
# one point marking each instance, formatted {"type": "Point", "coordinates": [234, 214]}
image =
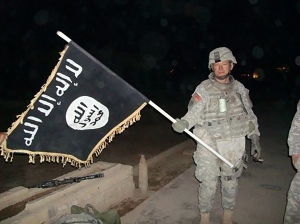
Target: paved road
{"type": "Point", "coordinates": [261, 200]}
{"type": "Point", "coordinates": [262, 189]}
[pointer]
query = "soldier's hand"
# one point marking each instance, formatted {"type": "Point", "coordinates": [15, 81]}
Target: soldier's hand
{"type": "Point", "coordinates": [255, 148]}
{"type": "Point", "coordinates": [180, 125]}
{"type": "Point", "coordinates": [3, 136]}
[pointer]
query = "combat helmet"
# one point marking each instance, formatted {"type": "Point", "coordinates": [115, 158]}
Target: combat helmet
{"type": "Point", "coordinates": [220, 54]}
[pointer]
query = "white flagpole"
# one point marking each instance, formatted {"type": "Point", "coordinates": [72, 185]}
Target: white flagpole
{"type": "Point", "coordinates": [190, 134]}
{"type": "Point", "coordinates": [63, 36]}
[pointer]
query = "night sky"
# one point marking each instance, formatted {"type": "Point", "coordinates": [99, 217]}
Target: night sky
{"type": "Point", "coordinates": [157, 46]}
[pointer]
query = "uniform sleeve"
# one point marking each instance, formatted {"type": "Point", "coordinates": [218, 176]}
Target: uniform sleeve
{"type": "Point", "coordinates": [196, 106]}
{"type": "Point", "coordinates": [253, 123]}
{"type": "Point", "coordinates": [294, 133]}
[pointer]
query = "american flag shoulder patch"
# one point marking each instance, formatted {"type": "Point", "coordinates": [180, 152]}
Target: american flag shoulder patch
{"type": "Point", "coordinates": [197, 97]}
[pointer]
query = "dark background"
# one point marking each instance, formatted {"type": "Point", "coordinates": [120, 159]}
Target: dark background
{"type": "Point", "coordinates": [159, 47]}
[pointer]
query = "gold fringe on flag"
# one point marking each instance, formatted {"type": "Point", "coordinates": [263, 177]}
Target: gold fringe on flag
{"type": "Point", "coordinates": [65, 158]}
{"type": "Point", "coordinates": [58, 157]}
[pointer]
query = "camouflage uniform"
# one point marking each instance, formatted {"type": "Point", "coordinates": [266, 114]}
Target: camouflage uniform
{"type": "Point", "coordinates": [223, 131]}
{"type": "Point", "coordinates": [292, 213]}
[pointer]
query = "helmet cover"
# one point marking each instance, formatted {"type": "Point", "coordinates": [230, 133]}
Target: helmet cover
{"type": "Point", "coordinates": [220, 54]}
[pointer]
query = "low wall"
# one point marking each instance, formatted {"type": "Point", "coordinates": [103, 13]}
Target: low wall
{"type": "Point", "coordinates": [103, 193]}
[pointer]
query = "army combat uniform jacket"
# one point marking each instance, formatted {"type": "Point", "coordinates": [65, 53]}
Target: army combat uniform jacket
{"type": "Point", "coordinates": [292, 212]}
{"type": "Point", "coordinates": [294, 134]}
{"type": "Point", "coordinates": [222, 110]}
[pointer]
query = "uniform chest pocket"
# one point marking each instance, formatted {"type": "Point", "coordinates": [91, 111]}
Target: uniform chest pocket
{"type": "Point", "coordinates": [235, 101]}
{"type": "Point", "coordinates": [214, 105]}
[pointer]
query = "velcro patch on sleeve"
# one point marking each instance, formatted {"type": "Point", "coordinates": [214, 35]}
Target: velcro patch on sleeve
{"type": "Point", "coordinates": [197, 97]}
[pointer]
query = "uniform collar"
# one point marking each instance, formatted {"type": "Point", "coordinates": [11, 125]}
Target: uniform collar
{"type": "Point", "coordinates": [222, 86]}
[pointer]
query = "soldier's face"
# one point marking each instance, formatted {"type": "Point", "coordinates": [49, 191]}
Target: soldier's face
{"type": "Point", "coordinates": [222, 69]}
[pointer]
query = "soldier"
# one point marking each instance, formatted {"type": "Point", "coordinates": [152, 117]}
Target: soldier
{"type": "Point", "coordinates": [292, 212]}
{"type": "Point", "coordinates": [220, 111]}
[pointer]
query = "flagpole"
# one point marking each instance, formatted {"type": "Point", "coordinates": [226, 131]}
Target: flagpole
{"type": "Point", "coordinates": [63, 36]}
{"type": "Point", "coordinates": [67, 39]}
{"type": "Point", "coordinates": [190, 133]}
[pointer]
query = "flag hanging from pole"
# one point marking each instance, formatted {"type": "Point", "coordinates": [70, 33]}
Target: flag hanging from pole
{"type": "Point", "coordinates": [76, 113]}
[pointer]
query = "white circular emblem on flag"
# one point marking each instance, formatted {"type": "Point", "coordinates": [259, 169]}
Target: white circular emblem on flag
{"type": "Point", "coordinates": [86, 113]}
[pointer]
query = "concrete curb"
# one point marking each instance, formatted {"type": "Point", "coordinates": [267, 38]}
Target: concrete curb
{"type": "Point", "coordinates": [20, 193]}
{"type": "Point", "coordinates": [116, 186]}
{"type": "Point", "coordinates": [181, 147]}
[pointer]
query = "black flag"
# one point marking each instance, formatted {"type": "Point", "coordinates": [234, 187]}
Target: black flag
{"type": "Point", "coordinates": [76, 113]}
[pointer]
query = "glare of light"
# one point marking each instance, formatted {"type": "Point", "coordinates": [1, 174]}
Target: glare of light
{"type": "Point", "coordinates": [283, 69]}
{"type": "Point", "coordinates": [174, 63]}
{"type": "Point", "coordinates": [258, 74]}
{"type": "Point", "coordinates": [164, 22]}
{"type": "Point", "coordinates": [253, 1]}
{"type": "Point", "coordinates": [278, 23]}
{"type": "Point", "coordinates": [245, 75]}
{"type": "Point", "coordinates": [201, 45]}
{"type": "Point", "coordinates": [41, 17]}
{"type": "Point", "coordinates": [257, 52]}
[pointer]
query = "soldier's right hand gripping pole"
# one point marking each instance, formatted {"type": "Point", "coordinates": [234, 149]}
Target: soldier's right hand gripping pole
{"type": "Point", "coordinates": [191, 134]}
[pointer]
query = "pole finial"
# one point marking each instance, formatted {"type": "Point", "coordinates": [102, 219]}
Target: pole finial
{"type": "Point", "coordinates": [63, 36]}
